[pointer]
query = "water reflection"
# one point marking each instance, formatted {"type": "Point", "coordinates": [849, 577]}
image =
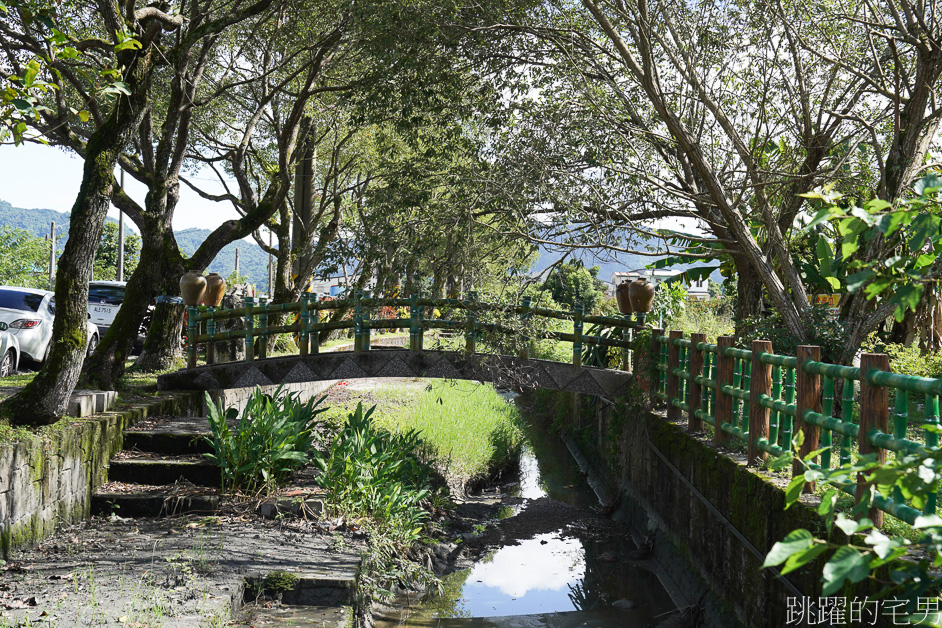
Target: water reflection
{"type": "Point", "coordinates": [535, 576]}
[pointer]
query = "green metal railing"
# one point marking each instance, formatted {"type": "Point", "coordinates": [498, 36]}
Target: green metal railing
{"type": "Point", "coordinates": [308, 324]}
{"type": "Point", "coordinates": [762, 399]}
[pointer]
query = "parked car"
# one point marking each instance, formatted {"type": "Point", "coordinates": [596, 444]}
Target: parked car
{"type": "Point", "coordinates": [29, 313]}
{"type": "Point", "coordinates": [104, 301]}
{"type": "Point", "coordinates": [10, 350]}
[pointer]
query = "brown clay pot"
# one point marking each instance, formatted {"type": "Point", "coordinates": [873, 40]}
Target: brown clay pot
{"type": "Point", "coordinates": [621, 297]}
{"type": "Point", "coordinates": [641, 294]}
{"type": "Point", "coordinates": [215, 289]}
{"type": "Point", "coordinates": [192, 287]}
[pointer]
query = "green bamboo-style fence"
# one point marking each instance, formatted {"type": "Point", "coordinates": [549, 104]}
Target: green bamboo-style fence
{"type": "Point", "coordinates": [763, 399]}
{"type": "Point", "coordinates": [201, 325]}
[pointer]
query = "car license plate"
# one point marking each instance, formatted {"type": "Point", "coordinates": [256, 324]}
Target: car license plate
{"type": "Point", "coordinates": [101, 309]}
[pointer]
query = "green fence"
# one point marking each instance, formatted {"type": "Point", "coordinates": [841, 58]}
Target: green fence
{"type": "Point", "coordinates": [762, 399]}
{"type": "Point", "coordinates": [309, 318]}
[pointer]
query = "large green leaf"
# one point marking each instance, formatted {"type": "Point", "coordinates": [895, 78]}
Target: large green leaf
{"type": "Point", "coordinates": [795, 541]}
{"type": "Point", "coordinates": [846, 564]}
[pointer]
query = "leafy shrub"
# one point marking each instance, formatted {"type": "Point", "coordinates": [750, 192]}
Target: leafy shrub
{"type": "Point", "coordinates": [821, 327]}
{"type": "Point", "coordinates": [272, 439]}
{"type": "Point", "coordinates": [369, 472]}
{"type": "Point", "coordinates": [713, 317]}
{"type": "Point", "coordinates": [911, 361]}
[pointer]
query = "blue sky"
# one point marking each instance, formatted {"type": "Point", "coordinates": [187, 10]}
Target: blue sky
{"type": "Point", "coordinates": [34, 176]}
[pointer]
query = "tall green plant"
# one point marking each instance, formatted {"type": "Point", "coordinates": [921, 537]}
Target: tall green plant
{"type": "Point", "coordinates": [273, 438]}
{"type": "Point", "coordinates": [372, 473]}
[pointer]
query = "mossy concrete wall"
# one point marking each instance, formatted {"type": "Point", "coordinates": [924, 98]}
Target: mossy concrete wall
{"type": "Point", "coordinates": [623, 445]}
{"type": "Point", "coordinates": [238, 397]}
{"type": "Point", "coordinates": [47, 479]}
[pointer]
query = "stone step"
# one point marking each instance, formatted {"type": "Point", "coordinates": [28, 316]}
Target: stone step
{"type": "Point", "coordinates": [155, 503]}
{"type": "Point", "coordinates": [307, 589]}
{"type": "Point", "coordinates": [135, 469]}
{"type": "Point", "coordinates": [172, 436]}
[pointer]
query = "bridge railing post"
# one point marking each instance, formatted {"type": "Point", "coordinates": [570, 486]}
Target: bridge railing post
{"type": "Point", "coordinates": [725, 367]}
{"type": "Point", "coordinates": [694, 389]}
{"type": "Point", "coordinates": [315, 336]}
{"type": "Point", "coordinates": [577, 313]}
{"type": "Point", "coordinates": [760, 384]}
{"type": "Point", "coordinates": [420, 332]}
{"type": "Point", "coordinates": [470, 338]}
{"type": "Point", "coordinates": [656, 375]}
{"type": "Point", "coordinates": [192, 329]}
{"type": "Point", "coordinates": [357, 323]}
{"type": "Point", "coordinates": [413, 323]}
{"type": "Point", "coordinates": [809, 397]}
{"type": "Point", "coordinates": [626, 337]}
{"type": "Point", "coordinates": [305, 320]}
{"type": "Point", "coordinates": [211, 330]}
{"type": "Point", "coordinates": [263, 324]}
{"type": "Point", "coordinates": [365, 322]}
{"type": "Point", "coordinates": [524, 322]}
{"type": "Point", "coordinates": [249, 329]}
{"type": "Point", "coordinates": [673, 381]}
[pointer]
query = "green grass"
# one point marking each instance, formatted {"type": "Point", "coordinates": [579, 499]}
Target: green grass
{"type": "Point", "coordinates": [470, 429]}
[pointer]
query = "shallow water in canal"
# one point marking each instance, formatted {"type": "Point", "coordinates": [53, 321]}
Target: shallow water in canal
{"type": "Point", "coordinates": [551, 579]}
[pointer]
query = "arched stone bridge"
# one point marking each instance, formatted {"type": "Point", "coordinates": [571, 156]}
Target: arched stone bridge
{"type": "Point", "coordinates": [503, 371]}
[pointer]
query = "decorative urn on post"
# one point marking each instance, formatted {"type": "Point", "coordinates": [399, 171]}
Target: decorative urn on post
{"type": "Point", "coordinates": [215, 289]}
{"type": "Point", "coordinates": [641, 294]}
{"type": "Point", "coordinates": [622, 298]}
{"type": "Point", "coordinates": [192, 287]}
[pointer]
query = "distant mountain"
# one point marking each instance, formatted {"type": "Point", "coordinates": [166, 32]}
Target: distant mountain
{"type": "Point", "coordinates": [253, 261]}
{"type": "Point", "coordinates": [38, 221]}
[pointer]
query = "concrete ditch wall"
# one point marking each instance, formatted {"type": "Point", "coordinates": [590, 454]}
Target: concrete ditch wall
{"type": "Point", "coordinates": [47, 480]}
{"type": "Point", "coordinates": [665, 477]}
{"type": "Point", "coordinates": [239, 397]}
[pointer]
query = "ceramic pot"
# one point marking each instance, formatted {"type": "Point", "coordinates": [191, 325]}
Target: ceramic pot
{"type": "Point", "coordinates": [641, 295]}
{"type": "Point", "coordinates": [215, 289]}
{"type": "Point", "coordinates": [621, 297]}
{"type": "Point", "coordinates": [192, 287]}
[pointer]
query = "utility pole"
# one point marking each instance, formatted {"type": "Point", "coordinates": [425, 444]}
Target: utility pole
{"type": "Point", "coordinates": [121, 235]}
{"type": "Point", "coordinates": [52, 255]}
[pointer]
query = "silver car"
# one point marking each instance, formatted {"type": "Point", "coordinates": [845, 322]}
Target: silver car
{"type": "Point", "coordinates": [29, 314]}
{"type": "Point", "coordinates": [10, 350]}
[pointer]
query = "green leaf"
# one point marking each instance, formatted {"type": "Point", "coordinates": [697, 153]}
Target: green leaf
{"type": "Point", "coordinates": [129, 43]}
{"type": "Point", "coordinates": [845, 564]}
{"type": "Point", "coordinates": [821, 216]}
{"type": "Point", "coordinates": [927, 185]}
{"type": "Point", "coordinates": [802, 558]}
{"type": "Point", "coordinates": [794, 541]}
{"type": "Point", "coordinates": [847, 525]}
{"type": "Point", "coordinates": [83, 115]}
{"type": "Point", "coordinates": [855, 281]}
{"type": "Point", "coordinates": [793, 491]}
{"type": "Point", "coordinates": [928, 521]}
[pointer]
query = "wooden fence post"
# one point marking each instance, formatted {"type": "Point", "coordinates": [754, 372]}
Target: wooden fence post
{"type": "Point", "coordinates": [315, 336]}
{"type": "Point", "coordinates": [357, 322]}
{"type": "Point", "coordinates": [725, 365]}
{"type": "Point", "coordinates": [808, 393]}
{"type": "Point", "coordinates": [695, 396]}
{"type": "Point", "coordinates": [760, 384]}
{"type": "Point", "coordinates": [655, 358]}
{"type": "Point", "coordinates": [470, 338]}
{"type": "Point", "coordinates": [673, 382]}
{"type": "Point", "coordinates": [365, 322]}
{"type": "Point", "coordinates": [874, 415]}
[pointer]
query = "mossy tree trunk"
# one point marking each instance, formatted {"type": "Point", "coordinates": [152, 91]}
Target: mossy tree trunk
{"type": "Point", "coordinates": [46, 398]}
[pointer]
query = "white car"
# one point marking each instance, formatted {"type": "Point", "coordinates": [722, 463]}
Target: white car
{"type": "Point", "coordinates": [10, 350]}
{"type": "Point", "coordinates": [104, 301]}
{"type": "Point", "coordinates": [29, 313]}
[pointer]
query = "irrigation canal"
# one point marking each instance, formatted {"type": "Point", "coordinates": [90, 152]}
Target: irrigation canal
{"type": "Point", "coordinates": [580, 573]}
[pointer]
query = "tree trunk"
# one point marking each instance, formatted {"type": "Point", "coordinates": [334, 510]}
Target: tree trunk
{"type": "Point", "coordinates": [159, 273]}
{"type": "Point", "coordinates": [748, 293]}
{"type": "Point", "coordinates": [46, 398]}
{"type": "Point", "coordinates": [163, 343]}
